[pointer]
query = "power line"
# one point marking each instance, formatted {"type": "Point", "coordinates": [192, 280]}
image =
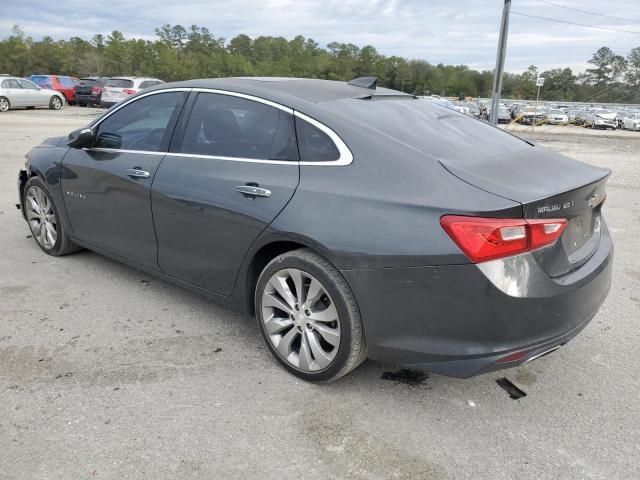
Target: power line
{"type": "Point", "coordinates": [567, 22]}
{"type": "Point", "coordinates": [586, 12]}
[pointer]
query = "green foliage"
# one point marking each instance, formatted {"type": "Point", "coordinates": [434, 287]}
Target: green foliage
{"type": "Point", "coordinates": [180, 53]}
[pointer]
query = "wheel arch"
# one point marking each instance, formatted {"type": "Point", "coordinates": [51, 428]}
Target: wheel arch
{"type": "Point", "coordinates": [259, 256]}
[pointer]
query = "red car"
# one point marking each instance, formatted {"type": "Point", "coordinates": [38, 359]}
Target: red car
{"type": "Point", "coordinates": [63, 84]}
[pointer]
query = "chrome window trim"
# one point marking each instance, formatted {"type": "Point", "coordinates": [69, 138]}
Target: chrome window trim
{"type": "Point", "coordinates": [246, 97]}
{"type": "Point", "coordinates": [345, 158]}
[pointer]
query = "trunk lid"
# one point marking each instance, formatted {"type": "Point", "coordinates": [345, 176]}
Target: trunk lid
{"type": "Point", "coordinates": [547, 185]}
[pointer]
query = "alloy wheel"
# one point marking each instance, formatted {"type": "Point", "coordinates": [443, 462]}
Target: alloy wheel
{"type": "Point", "coordinates": [301, 320]}
{"type": "Point", "coordinates": [4, 105]}
{"type": "Point", "coordinates": [41, 217]}
{"type": "Point", "coordinates": [56, 103]}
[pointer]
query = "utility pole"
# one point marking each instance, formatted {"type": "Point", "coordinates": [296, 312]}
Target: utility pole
{"type": "Point", "coordinates": [502, 51]}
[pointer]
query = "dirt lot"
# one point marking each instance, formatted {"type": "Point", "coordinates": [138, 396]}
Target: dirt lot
{"type": "Point", "coordinates": [106, 372]}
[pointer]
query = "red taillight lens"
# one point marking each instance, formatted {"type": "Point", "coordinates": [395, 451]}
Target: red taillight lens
{"type": "Point", "coordinates": [483, 239]}
{"type": "Point", "coordinates": [128, 91]}
{"type": "Point", "coordinates": [96, 90]}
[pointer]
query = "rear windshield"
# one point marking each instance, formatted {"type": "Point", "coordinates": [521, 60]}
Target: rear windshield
{"type": "Point", "coordinates": [424, 126]}
{"type": "Point", "coordinates": [149, 83]}
{"type": "Point", "coordinates": [120, 83]}
{"type": "Point", "coordinates": [87, 82]}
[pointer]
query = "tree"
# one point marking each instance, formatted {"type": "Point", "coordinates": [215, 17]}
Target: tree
{"type": "Point", "coordinates": [608, 67]}
{"type": "Point", "coordinates": [633, 68]}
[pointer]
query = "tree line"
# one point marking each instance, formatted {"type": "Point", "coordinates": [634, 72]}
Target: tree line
{"type": "Point", "coordinates": [180, 53]}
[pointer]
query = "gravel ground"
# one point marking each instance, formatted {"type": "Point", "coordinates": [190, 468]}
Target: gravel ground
{"type": "Point", "coordinates": [107, 372]}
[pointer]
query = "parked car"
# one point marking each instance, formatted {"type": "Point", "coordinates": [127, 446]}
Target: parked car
{"type": "Point", "coordinates": [504, 116]}
{"type": "Point", "coordinates": [88, 91]}
{"type": "Point", "coordinates": [556, 117]}
{"type": "Point", "coordinates": [63, 84]}
{"type": "Point", "coordinates": [120, 88]}
{"type": "Point", "coordinates": [531, 115]}
{"type": "Point", "coordinates": [18, 92]}
{"type": "Point", "coordinates": [324, 209]}
{"type": "Point", "coordinates": [631, 122]}
{"type": "Point", "coordinates": [600, 118]}
{"type": "Point", "coordinates": [581, 116]}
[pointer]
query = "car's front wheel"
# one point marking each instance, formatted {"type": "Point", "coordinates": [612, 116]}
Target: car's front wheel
{"type": "Point", "coordinates": [55, 103]}
{"type": "Point", "coordinates": [4, 105]}
{"type": "Point", "coordinates": [44, 220]}
{"type": "Point", "coordinates": [308, 317]}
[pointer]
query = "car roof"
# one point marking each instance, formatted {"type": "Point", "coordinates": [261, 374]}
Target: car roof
{"type": "Point", "coordinates": [287, 91]}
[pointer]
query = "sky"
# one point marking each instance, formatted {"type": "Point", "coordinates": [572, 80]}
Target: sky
{"type": "Point", "coordinates": [438, 31]}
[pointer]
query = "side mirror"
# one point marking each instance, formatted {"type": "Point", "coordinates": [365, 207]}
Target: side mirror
{"type": "Point", "coordinates": [81, 138]}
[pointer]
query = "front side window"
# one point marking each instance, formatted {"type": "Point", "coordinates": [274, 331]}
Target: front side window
{"type": "Point", "coordinates": [141, 125]}
{"type": "Point", "coordinates": [227, 126]}
{"type": "Point", "coordinates": [26, 84]}
{"type": "Point", "coordinates": [314, 144]}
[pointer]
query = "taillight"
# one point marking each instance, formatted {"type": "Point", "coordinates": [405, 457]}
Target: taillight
{"type": "Point", "coordinates": [483, 239]}
{"type": "Point", "coordinates": [96, 90]}
{"type": "Point", "coordinates": [128, 91]}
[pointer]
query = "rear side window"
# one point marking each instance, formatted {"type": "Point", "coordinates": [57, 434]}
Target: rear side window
{"type": "Point", "coordinates": [141, 125]}
{"type": "Point", "coordinates": [149, 83]}
{"type": "Point", "coordinates": [66, 81]}
{"type": "Point", "coordinates": [11, 83]}
{"type": "Point", "coordinates": [314, 145]}
{"type": "Point", "coordinates": [120, 83]}
{"type": "Point", "coordinates": [227, 126]}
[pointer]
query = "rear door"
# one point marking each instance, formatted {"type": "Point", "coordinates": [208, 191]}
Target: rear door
{"type": "Point", "coordinates": [107, 188]}
{"type": "Point", "coordinates": [232, 168]}
{"type": "Point", "coordinates": [16, 94]}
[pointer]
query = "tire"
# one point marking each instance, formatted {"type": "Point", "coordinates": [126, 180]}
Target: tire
{"type": "Point", "coordinates": [296, 328]}
{"type": "Point", "coordinates": [5, 105]}
{"type": "Point", "coordinates": [55, 103]}
{"type": "Point", "coordinates": [53, 240]}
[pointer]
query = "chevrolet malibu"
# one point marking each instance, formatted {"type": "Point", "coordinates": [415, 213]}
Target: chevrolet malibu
{"type": "Point", "coordinates": [354, 222]}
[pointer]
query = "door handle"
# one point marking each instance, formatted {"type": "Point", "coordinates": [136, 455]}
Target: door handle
{"type": "Point", "coordinates": [136, 172]}
{"type": "Point", "coordinates": [253, 191]}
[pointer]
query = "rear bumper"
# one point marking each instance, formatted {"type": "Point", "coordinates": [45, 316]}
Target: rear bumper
{"type": "Point", "coordinates": [89, 99]}
{"type": "Point", "coordinates": [458, 320]}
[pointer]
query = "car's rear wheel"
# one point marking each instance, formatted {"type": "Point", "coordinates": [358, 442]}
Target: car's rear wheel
{"type": "Point", "coordinates": [4, 104]}
{"type": "Point", "coordinates": [44, 220]}
{"type": "Point", "coordinates": [55, 103]}
{"type": "Point", "coordinates": [308, 317]}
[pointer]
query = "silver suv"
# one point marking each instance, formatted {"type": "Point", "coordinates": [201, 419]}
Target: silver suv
{"type": "Point", "coordinates": [118, 88]}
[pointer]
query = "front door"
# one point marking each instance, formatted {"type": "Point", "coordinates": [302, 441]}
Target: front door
{"type": "Point", "coordinates": [106, 188]}
{"type": "Point", "coordinates": [229, 173]}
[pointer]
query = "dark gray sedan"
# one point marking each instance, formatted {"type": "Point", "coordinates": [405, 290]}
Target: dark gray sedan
{"type": "Point", "coordinates": [352, 221]}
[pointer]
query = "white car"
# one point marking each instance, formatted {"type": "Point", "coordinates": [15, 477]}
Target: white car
{"type": "Point", "coordinates": [557, 117]}
{"type": "Point", "coordinates": [601, 118]}
{"type": "Point", "coordinates": [16, 92]}
{"type": "Point", "coordinates": [631, 122]}
{"type": "Point", "coordinates": [118, 88]}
